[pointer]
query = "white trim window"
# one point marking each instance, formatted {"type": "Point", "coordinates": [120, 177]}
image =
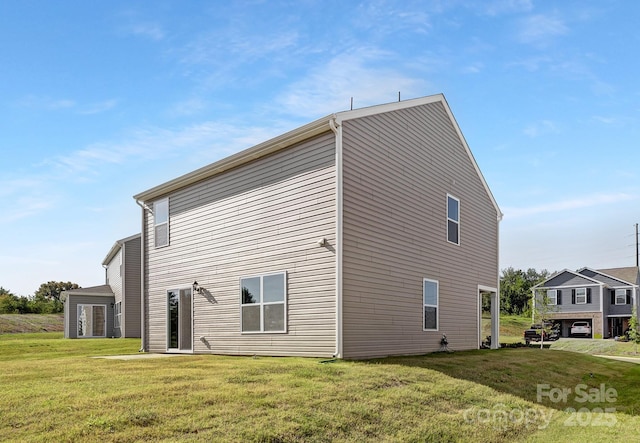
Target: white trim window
{"type": "Point", "coordinates": [430, 297]}
{"type": "Point", "coordinates": [161, 223]}
{"type": "Point", "coordinates": [263, 303]}
{"type": "Point", "coordinates": [581, 296]}
{"type": "Point", "coordinates": [552, 296]}
{"type": "Point", "coordinates": [453, 220]}
{"type": "Point", "coordinates": [117, 314]}
{"type": "Point", "coordinates": [621, 296]}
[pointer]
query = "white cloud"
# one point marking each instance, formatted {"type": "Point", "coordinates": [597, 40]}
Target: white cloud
{"type": "Point", "coordinates": [360, 73]}
{"type": "Point", "coordinates": [568, 205]}
{"type": "Point", "coordinates": [540, 128]}
{"type": "Point", "coordinates": [96, 108]}
{"type": "Point", "coordinates": [540, 29]}
{"type": "Point", "coordinates": [46, 103]}
{"type": "Point", "coordinates": [151, 31]}
{"type": "Point", "coordinates": [500, 7]}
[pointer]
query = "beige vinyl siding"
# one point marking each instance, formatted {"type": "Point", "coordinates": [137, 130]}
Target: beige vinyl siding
{"type": "Point", "coordinates": [263, 217]}
{"type": "Point", "coordinates": [131, 309]}
{"type": "Point", "coordinates": [114, 275]}
{"type": "Point", "coordinates": [114, 279]}
{"type": "Point", "coordinates": [398, 169]}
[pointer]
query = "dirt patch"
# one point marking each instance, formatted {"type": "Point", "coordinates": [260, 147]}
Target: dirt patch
{"type": "Point", "coordinates": [25, 323]}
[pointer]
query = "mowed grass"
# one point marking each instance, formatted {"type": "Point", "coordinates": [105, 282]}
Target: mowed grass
{"type": "Point", "coordinates": [512, 327]}
{"type": "Point", "coordinates": [53, 391]}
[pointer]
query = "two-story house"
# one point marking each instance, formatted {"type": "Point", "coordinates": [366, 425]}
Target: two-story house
{"type": "Point", "coordinates": [604, 298]}
{"type": "Point", "coordinates": [112, 309]}
{"type": "Point", "coordinates": [365, 233]}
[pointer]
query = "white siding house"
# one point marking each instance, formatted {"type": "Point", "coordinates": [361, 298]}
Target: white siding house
{"type": "Point", "coordinates": [365, 233]}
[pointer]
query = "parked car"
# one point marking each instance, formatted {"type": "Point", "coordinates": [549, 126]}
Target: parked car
{"type": "Point", "coordinates": [536, 331]}
{"type": "Point", "coordinates": [582, 328]}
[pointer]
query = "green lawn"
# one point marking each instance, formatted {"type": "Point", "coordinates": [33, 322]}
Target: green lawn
{"type": "Point", "coordinates": [53, 391]}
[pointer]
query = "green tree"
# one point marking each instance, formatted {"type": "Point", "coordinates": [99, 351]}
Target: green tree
{"type": "Point", "coordinates": [634, 332]}
{"type": "Point", "coordinates": [542, 308]}
{"type": "Point", "coordinates": [47, 298]}
{"type": "Point", "coordinates": [515, 289]}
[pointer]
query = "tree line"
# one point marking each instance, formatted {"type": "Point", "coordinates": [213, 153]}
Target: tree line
{"type": "Point", "coordinates": [515, 289]}
{"type": "Point", "coordinates": [46, 300]}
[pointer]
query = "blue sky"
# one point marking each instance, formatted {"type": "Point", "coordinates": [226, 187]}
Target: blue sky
{"type": "Point", "coordinates": [102, 100]}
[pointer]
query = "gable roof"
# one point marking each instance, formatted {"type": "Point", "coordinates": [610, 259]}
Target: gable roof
{"type": "Point", "coordinates": [303, 133]}
{"type": "Point", "coordinates": [116, 247]}
{"type": "Point", "coordinates": [95, 291]}
{"type": "Point", "coordinates": [566, 271]}
{"type": "Point", "coordinates": [628, 275]}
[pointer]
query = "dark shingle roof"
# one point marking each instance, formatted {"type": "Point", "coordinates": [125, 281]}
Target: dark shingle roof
{"type": "Point", "coordinates": [629, 274]}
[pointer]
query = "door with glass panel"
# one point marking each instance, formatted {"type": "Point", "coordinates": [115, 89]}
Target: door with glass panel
{"type": "Point", "coordinates": [179, 333]}
{"type": "Point", "coordinates": [92, 321]}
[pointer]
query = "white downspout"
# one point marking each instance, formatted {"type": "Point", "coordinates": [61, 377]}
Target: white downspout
{"type": "Point", "coordinates": [143, 335]}
{"type": "Point", "coordinates": [337, 130]}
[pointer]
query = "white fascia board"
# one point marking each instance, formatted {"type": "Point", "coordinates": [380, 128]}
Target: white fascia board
{"type": "Point", "coordinates": [268, 147]}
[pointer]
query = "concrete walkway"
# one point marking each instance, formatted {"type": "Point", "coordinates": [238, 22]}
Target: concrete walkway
{"type": "Point", "coordinates": [139, 356]}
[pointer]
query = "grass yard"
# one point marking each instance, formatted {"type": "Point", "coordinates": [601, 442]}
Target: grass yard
{"type": "Point", "coordinates": [511, 327]}
{"type": "Point", "coordinates": [53, 391]}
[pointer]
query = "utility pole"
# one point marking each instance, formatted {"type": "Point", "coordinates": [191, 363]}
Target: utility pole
{"type": "Point", "coordinates": [637, 255]}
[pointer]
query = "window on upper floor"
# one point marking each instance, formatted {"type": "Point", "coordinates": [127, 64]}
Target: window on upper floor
{"type": "Point", "coordinates": [552, 297]}
{"type": "Point", "coordinates": [453, 220]}
{"type": "Point", "coordinates": [581, 296]}
{"type": "Point", "coordinates": [161, 222]}
{"type": "Point", "coordinates": [430, 304]}
{"type": "Point", "coordinates": [621, 296]}
{"type": "Point", "coordinates": [263, 300]}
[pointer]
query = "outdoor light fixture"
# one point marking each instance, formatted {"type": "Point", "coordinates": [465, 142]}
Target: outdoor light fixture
{"type": "Point", "coordinates": [322, 242]}
{"type": "Point", "coordinates": [196, 287]}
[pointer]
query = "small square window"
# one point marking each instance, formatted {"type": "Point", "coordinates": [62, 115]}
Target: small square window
{"type": "Point", "coordinates": [263, 303]}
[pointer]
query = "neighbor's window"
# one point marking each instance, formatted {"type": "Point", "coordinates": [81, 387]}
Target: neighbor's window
{"type": "Point", "coordinates": [453, 220]}
{"type": "Point", "coordinates": [430, 304]}
{"type": "Point", "coordinates": [581, 296]}
{"type": "Point", "coordinates": [263, 303]}
{"type": "Point", "coordinates": [117, 317]}
{"type": "Point", "coordinates": [161, 222]}
{"type": "Point", "coordinates": [552, 296]}
{"type": "Point", "coordinates": [621, 296]}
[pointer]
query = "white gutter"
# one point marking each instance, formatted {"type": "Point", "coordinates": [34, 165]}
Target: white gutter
{"type": "Point", "coordinates": [143, 336]}
{"type": "Point", "coordinates": [337, 130]}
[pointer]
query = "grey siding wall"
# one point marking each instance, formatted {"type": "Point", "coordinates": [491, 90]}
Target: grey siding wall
{"type": "Point", "coordinates": [131, 309]}
{"type": "Point", "coordinates": [567, 298]}
{"type": "Point", "coordinates": [612, 308]}
{"type": "Point", "coordinates": [71, 312]}
{"type": "Point", "coordinates": [262, 217]}
{"type": "Point", "coordinates": [398, 168]}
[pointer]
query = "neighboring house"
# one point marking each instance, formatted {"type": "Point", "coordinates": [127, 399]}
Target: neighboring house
{"type": "Point", "coordinates": [602, 297]}
{"type": "Point", "coordinates": [366, 233]}
{"type": "Point", "coordinates": [112, 309]}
